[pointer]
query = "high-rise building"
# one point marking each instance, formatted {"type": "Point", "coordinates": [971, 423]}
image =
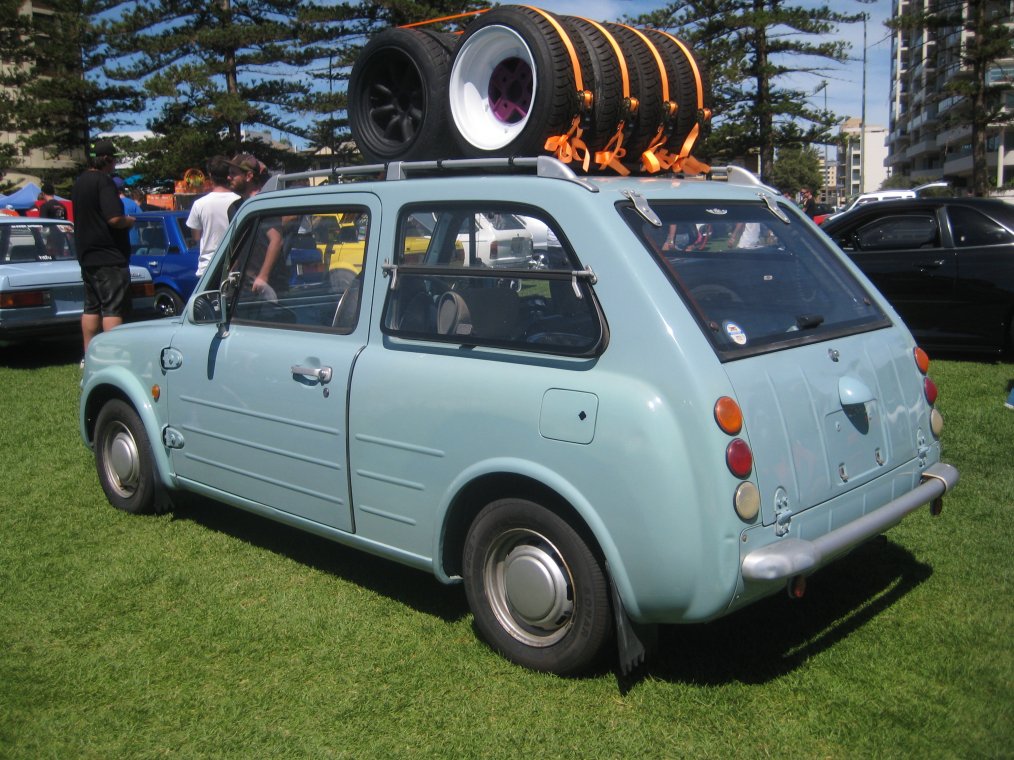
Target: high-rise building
{"type": "Point", "coordinates": [923, 143]}
{"type": "Point", "coordinates": [861, 157]}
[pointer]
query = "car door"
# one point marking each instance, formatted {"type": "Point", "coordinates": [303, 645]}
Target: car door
{"type": "Point", "coordinates": [260, 405]}
{"type": "Point", "coordinates": [984, 289]}
{"type": "Point", "coordinates": [911, 262]}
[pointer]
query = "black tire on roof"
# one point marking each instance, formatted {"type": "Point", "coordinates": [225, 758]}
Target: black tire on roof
{"type": "Point", "coordinates": [397, 95]}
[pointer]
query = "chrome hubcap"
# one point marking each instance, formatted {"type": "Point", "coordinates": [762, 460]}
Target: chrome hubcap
{"type": "Point", "coordinates": [122, 464]}
{"type": "Point", "coordinates": [530, 587]}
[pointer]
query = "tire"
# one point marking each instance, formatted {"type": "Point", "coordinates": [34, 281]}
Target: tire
{"type": "Point", "coordinates": [167, 302]}
{"type": "Point", "coordinates": [646, 86]}
{"type": "Point", "coordinates": [341, 280]}
{"type": "Point", "coordinates": [512, 85]}
{"type": "Point", "coordinates": [683, 87]}
{"type": "Point", "coordinates": [536, 589]}
{"type": "Point", "coordinates": [397, 96]}
{"type": "Point", "coordinates": [124, 460]}
{"type": "Point", "coordinates": [602, 76]}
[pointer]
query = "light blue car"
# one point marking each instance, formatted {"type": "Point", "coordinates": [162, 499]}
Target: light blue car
{"type": "Point", "coordinates": [41, 293]}
{"type": "Point", "coordinates": [696, 401]}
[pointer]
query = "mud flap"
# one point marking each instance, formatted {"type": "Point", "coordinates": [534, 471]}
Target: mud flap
{"type": "Point", "coordinates": [634, 642]}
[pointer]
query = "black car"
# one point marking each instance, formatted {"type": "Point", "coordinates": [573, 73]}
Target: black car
{"type": "Point", "coordinates": [945, 264]}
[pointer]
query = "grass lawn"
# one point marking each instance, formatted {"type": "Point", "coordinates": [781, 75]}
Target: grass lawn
{"type": "Point", "coordinates": [213, 633]}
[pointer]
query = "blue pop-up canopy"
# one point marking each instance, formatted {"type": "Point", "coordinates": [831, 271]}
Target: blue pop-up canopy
{"type": "Point", "coordinates": [23, 199]}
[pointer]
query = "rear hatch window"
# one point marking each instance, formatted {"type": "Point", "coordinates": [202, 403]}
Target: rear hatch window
{"type": "Point", "coordinates": [755, 282]}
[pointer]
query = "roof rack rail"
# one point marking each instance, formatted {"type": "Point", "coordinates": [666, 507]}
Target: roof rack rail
{"type": "Point", "coordinates": [543, 166]}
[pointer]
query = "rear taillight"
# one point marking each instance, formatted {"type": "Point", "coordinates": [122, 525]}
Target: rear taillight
{"type": "Point", "coordinates": [142, 289]}
{"type": "Point", "coordinates": [739, 458]}
{"type": "Point", "coordinates": [929, 390]}
{"type": "Point", "coordinates": [25, 299]}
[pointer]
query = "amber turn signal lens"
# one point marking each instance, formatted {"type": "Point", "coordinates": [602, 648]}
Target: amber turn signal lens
{"type": "Point", "coordinates": [728, 415]}
{"type": "Point", "coordinates": [921, 360]}
{"type": "Point", "coordinates": [156, 392]}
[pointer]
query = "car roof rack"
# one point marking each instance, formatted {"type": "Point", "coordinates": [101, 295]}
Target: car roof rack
{"type": "Point", "coordinates": [542, 166]}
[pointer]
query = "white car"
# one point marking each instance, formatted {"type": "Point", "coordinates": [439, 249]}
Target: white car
{"type": "Point", "coordinates": [501, 241]}
{"type": "Point", "coordinates": [886, 195]}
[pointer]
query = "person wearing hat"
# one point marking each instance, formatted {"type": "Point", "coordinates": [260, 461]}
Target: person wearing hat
{"type": "Point", "coordinates": [102, 238]}
{"type": "Point", "coordinates": [247, 176]}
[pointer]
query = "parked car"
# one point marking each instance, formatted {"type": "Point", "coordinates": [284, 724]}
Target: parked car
{"type": "Point", "coordinates": [619, 436]}
{"type": "Point", "coordinates": [945, 264]}
{"type": "Point", "coordinates": [161, 242]}
{"type": "Point", "coordinates": [41, 294]}
{"type": "Point", "coordinates": [895, 194]}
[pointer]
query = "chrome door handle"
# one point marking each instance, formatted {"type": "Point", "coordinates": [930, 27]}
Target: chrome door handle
{"type": "Point", "coordinates": [320, 374]}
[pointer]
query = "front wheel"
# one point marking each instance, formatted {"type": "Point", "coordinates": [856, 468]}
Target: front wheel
{"type": "Point", "coordinates": [537, 591]}
{"type": "Point", "coordinates": [124, 460]}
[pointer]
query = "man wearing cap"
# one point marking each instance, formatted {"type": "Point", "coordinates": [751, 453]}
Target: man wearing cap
{"type": "Point", "coordinates": [101, 234]}
{"type": "Point", "coordinates": [247, 176]}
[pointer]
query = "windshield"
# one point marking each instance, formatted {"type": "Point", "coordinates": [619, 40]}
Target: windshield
{"type": "Point", "coordinates": [754, 282]}
{"type": "Point", "coordinates": [36, 241]}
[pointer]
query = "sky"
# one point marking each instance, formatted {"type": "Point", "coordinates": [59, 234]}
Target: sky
{"type": "Point", "coordinates": [844, 90]}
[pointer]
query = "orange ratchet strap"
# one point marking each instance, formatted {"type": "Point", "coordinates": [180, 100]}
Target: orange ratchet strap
{"type": "Point", "coordinates": [655, 156]}
{"type": "Point", "coordinates": [684, 161]}
{"type": "Point", "coordinates": [613, 152]}
{"type": "Point", "coordinates": [569, 146]}
{"type": "Point", "coordinates": [443, 18]}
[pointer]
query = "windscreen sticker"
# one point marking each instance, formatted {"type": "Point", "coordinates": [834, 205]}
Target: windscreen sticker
{"type": "Point", "coordinates": [735, 333]}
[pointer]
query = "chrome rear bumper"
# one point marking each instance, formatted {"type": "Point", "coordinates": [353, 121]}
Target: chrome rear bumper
{"type": "Point", "coordinates": [794, 556]}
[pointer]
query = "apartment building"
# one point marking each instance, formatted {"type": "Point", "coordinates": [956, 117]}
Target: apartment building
{"type": "Point", "coordinates": [861, 158]}
{"type": "Point", "coordinates": [924, 144]}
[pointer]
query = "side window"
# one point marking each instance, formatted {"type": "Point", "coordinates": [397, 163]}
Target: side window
{"type": "Point", "coordinates": [971, 228]}
{"type": "Point", "coordinates": [187, 234]}
{"type": "Point", "coordinates": [294, 271]}
{"type": "Point", "coordinates": [498, 276]}
{"type": "Point", "coordinates": [899, 232]}
{"type": "Point", "coordinates": [148, 238]}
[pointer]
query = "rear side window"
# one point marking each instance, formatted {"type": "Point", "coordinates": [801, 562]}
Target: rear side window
{"type": "Point", "coordinates": [500, 276]}
{"type": "Point", "coordinates": [971, 228]}
{"type": "Point", "coordinates": [36, 242]}
{"type": "Point", "coordinates": [900, 232]}
{"type": "Point", "coordinates": [755, 282]}
{"type": "Point", "coordinates": [301, 270]}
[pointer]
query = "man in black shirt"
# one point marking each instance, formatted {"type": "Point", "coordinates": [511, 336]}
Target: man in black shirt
{"type": "Point", "coordinates": [51, 208]}
{"type": "Point", "coordinates": [101, 234]}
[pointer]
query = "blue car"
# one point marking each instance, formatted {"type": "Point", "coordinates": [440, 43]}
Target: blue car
{"type": "Point", "coordinates": [161, 242]}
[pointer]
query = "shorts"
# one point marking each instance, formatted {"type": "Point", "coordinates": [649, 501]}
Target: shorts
{"type": "Point", "coordinates": [107, 290]}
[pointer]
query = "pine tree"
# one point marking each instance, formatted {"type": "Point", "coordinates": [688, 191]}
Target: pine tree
{"type": "Point", "coordinates": [47, 97]}
{"type": "Point", "coordinates": [748, 48]}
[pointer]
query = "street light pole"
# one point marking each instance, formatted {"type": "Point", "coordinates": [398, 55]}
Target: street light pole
{"type": "Point", "coordinates": [862, 118]}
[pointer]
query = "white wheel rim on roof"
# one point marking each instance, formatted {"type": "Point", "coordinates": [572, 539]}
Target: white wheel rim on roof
{"type": "Point", "coordinates": [482, 58]}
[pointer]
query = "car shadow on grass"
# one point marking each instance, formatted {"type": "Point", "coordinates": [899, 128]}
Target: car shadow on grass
{"type": "Point", "coordinates": [754, 645]}
{"type": "Point", "coordinates": [414, 588]}
{"type": "Point", "coordinates": [777, 635]}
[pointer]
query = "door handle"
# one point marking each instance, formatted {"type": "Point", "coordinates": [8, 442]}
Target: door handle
{"type": "Point", "coordinates": [936, 264]}
{"type": "Point", "coordinates": [320, 374]}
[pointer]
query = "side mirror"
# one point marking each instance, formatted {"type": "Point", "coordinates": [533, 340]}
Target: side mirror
{"type": "Point", "coordinates": [208, 308]}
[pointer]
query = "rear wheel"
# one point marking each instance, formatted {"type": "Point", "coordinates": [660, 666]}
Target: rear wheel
{"type": "Point", "coordinates": [538, 592]}
{"type": "Point", "coordinates": [167, 302]}
{"type": "Point", "coordinates": [123, 459]}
